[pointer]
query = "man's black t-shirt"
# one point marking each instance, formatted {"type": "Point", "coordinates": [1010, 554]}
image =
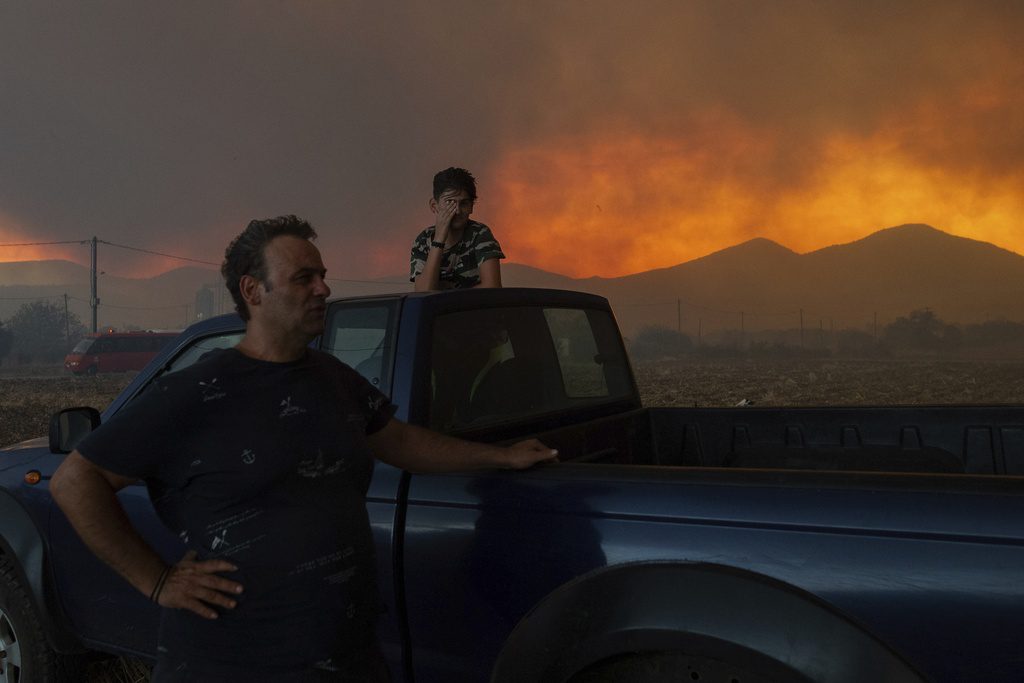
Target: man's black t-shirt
{"type": "Point", "coordinates": [265, 465]}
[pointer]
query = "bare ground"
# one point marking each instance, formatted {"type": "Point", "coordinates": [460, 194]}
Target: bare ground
{"type": "Point", "coordinates": [818, 382]}
{"type": "Point", "coordinates": [26, 403]}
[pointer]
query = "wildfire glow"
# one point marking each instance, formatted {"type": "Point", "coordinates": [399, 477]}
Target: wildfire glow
{"type": "Point", "coordinates": [9, 254]}
{"type": "Point", "coordinates": [10, 235]}
{"type": "Point", "coordinates": [17, 244]}
{"type": "Point", "coordinates": [619, 202]}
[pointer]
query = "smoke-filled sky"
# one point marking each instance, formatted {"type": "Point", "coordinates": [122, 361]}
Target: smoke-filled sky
{"type": "Point", "coordinates": [606, 137]}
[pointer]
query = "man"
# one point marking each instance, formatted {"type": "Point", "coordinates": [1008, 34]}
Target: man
{"type": "Point", "coordinates": [455, 252]}
{"type": "Point", "coordinates": [259, 458]}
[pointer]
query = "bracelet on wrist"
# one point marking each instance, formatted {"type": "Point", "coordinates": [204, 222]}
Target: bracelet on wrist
{"type": "Point", "coordinates": [435, 243]}
{"type": "Point", "coordinates": [155, 595]}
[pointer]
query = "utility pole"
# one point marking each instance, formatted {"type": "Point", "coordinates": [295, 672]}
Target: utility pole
{"type": "Point", "coordinates": [94, 300]}
{"type": "Point", "coordinates": [67, 321]}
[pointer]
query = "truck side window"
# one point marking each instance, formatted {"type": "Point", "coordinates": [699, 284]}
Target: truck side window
{"type": "Point", "coordinates": [578, 358]}
{"type": "Point", "coordinates": [360, 335]}
{"type": "Point", "coordinates": [506, 364]}
{"type": "Point", "coordinates": [201, 347]}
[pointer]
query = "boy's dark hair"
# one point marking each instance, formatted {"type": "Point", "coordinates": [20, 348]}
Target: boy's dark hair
{"type": "Point", "coordinates": [454, 179]}
{"type": "Point", "coordinates": [244, 256]}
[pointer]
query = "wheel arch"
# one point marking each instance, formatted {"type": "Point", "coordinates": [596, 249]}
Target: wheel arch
{"type": "Point", "coordinates": [21, 541]}
{"type": "Point", "coordinates": [722, 611]}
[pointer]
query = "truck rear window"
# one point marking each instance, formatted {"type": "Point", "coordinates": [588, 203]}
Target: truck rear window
{"type": "Point", "coordinates": [502, 364]}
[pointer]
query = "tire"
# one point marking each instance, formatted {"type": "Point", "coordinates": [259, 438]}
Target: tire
{"type": "Point", "coordinates": [91, 370]}
{"type": "Point", "coordinates": [25, 654]}
{"type": "Point", "coordinates": [671, 667]}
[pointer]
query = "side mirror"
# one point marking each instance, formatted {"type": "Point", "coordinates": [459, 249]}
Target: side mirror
{"type": "Point", "coordinates": [70, 426]}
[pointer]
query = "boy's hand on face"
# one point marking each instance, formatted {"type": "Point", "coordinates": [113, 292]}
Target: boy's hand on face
{"type": "Point", "coordinates": [446, 207]}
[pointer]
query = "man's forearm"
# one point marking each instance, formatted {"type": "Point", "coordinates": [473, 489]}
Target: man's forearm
{"type": "Point", "coordinates": [90, 502]}
{"type": "Point", "coordinates": [417, 449]}
{"type": "Point", "coordinates": [88, 496]}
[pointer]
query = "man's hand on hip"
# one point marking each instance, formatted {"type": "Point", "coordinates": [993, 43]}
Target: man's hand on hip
{"type": "Point", "coordinates": [196, 586]}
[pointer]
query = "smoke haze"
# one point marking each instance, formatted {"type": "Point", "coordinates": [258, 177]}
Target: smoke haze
{"type": "Point", "coordinates": [607, 137]}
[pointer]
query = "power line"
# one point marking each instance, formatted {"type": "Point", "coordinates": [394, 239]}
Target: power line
{"type": "Point", "coordinates": [186, 258]}
{"type": "Point", "coordinates": [673, 303]}
{"type": "Point", "coordinates": [134, 308]}
{"type": "Point", "coordinates": [113, 244]}
{"type": "Point", "coordinates": [158, 253]}
{"type": "Point", "coordinates": [39, 244]}
{"type": "Point", "coordinates": [186, 305]}
{"type": "Point", "coordinates": [145, 308]}
{"type": "Point", "coordinates": [368, 282]}
{"type": "Point", "coordinates": [30, 298]}
{"type": "Point", "coordinates": [208, 263]}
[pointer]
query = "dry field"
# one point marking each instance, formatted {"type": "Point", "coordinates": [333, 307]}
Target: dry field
{"type": "Point", "coordinates": [829, 382]}
{"type": "Point", "coordinates": [27, 402]}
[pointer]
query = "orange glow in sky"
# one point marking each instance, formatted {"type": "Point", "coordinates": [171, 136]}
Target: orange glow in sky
{"type": "Point", "coordinates": [30, 252]}
{"type": "Point", "coordinates": [110, 259]}
{"type": "Point", "coordinates": [8, 254]}
{"type": "Point", "coordinates": [620, 202]}
{"type": "Point", "coordinates": [608, 138]}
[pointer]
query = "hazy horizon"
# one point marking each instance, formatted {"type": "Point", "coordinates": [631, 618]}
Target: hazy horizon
{"type": "Point", "coordinates": [109, 266]}
{"type": "Point", "coordinates": [607, 139]}
{"type": "Point", "coordinates": [757, 284]}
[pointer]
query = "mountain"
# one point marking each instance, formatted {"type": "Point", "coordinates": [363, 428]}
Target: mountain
{"type": "Point", "coordinates": [42, 273]}
{"type": "Point", "coordinates": [519, 275]}
{"type": "Point", "coordinates": [755, 285]}
{"type": "Point", "coordinates": [760, 284]}
{"type": "Point", "coordinates": [961, 279]}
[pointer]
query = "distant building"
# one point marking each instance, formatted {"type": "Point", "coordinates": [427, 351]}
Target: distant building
{"type": "Point", "coordinates": [206, 301]}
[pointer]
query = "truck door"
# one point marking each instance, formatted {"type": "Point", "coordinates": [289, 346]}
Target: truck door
{"type": "Point", "coordinates": [362, 334]}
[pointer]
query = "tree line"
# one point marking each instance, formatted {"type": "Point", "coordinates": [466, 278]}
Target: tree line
{"type": "Point", "coordinates": [919, 333]}
{"type": "Point", "coordinates": [39, 332]}
{"type": "Point", "coordinates": [44, 332]}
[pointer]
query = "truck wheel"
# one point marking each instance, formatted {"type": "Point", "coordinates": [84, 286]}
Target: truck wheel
{"type": "Point", "coordinates": [24, 653]}
{"type": "Point", "coordinates": [670, 667]}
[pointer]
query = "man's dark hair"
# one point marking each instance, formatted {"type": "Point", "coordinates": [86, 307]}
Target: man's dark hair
{"type": "Point", "coordinates": [244, 256]}
{"type": "Point", "coordinates": [454, 179]}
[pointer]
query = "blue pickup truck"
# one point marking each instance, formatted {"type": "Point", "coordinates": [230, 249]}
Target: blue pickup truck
{"type": "Point", "coordinates": [705, 544]}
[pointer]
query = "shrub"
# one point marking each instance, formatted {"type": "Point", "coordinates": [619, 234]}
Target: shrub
{"type": "Point", "coordinates": [659, 342]}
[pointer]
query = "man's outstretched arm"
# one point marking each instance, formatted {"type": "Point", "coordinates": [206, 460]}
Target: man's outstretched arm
{"type": "Point", "coordinates": [87, 494]}
{"type": "Point", "coordinates": [417, 449]}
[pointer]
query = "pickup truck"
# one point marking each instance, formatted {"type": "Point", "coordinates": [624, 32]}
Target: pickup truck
{"type": "Point", "coordinates": [704, 544]}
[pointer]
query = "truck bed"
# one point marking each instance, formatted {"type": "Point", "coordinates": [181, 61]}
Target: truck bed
{"type": "Point", "coordinates": [936, 439]}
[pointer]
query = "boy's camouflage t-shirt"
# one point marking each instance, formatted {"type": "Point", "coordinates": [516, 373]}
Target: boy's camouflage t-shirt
{"type": "Point", "coordinates": [460, 265]}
